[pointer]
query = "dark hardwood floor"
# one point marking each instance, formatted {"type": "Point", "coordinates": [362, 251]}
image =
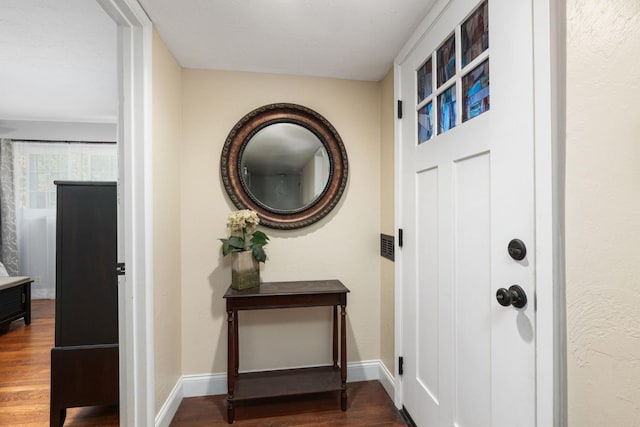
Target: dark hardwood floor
{"type": "Point", "coordinates": [25, 359]}
{"type": "Point", "coordinates": [369, 405]}
{"type": "Point", "coordinates": [25, 353]}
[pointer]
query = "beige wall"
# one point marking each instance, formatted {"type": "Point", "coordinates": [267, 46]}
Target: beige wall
{"type": "Point", "coordinates": [342, 246]}
{"type": "Point", "coordinates": [166, 153]}
{"type": "Point", "coordinates": [387, 120]}
{"type": "Point", "coordinates": [603, 212]}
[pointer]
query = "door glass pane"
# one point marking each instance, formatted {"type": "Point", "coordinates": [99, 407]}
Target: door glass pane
{"type": "Point", "coordinates": [447, 109]}
{"type": "Point", "coordinates": [425, 123]}
{"type": "Point", "coordinates": [475, 34]}
{"type": "Point", "coordinates": [475, 92]}
{"type": "Point", "coordinates": [446, 60]}
{"type": "Point", "coordinates": [425, 80]}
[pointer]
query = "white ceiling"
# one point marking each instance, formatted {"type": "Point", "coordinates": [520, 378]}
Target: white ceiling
{"type": "Point", "coordinates": [348, 39]}
{"type": "Point", "coordinates": [58, 61]}
{"type": "Point", "coordinates": [58, 57]}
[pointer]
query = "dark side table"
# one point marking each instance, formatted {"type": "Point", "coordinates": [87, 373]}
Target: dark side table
{"type": "Point", "coordinates": [15, 299]}
{"type": "Point", "coordinates": [287, 382]}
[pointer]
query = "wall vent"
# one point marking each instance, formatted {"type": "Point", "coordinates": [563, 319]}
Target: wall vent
{"type": "Point", "coordinates": [387, 246]}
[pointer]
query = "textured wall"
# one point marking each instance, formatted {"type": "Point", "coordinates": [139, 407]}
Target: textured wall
{"type": "Point", "coordinates": [343, 246]}
{"type": "Point", "coordinates": [603, 212]}
{"type": "Point", "coordinates": [167, 132]}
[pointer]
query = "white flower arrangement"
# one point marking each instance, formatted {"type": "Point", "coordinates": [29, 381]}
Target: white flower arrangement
{"type": "Point", "coordinates": [243, 234]}
{"type": "Point", "coordinates": [244, 219]}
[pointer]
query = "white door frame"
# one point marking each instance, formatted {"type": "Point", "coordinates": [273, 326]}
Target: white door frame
{"type": "Point", "coordinates": [135, 299]}
{"type": "Point", "coordinates": [549, 141]}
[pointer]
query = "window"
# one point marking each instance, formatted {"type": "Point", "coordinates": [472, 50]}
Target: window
{"type": "Point", "coordinates": [458, 70]}
{"type": "Point", "coordinates": [36, 167]}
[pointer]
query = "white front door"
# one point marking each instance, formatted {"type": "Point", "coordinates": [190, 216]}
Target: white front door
{"type": "Point", "coordinates": [466, 190]}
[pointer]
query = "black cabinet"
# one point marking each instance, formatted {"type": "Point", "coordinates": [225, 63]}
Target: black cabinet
{"type": "Point", "coordinates": [84, 361]}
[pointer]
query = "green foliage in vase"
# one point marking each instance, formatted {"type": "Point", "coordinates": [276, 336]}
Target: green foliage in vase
{"type": "Point", "coordinates": [244, 236]}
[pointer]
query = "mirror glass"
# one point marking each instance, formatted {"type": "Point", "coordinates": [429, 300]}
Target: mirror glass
{"type": "Point", "coordinates": [287, 163]}
{"type": "Point", "coordinates": [285, 167]}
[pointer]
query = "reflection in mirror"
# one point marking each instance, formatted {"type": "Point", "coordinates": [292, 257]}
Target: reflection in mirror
{"type": "Point", "coordinates": [285, 167]}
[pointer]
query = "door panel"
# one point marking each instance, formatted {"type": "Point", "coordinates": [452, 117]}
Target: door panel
{"type": "Point", "coordinates": [466, 190]}
{"type": "Point", "coordinates": [426, 290]}
{"type": "Point", "coordinates": [472, 297]}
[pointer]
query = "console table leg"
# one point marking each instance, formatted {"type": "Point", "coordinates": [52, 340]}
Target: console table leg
{"type": "Point", "coordinates": [335, 336]}
{"type": "Point", "coordinates": [343, 357]}
{"type": "Point", "coordinates": [236, 341]}
{"type": "Point", "coordinates": [232, 355]}
{"type": "Point", "coordinates": [231, 412]}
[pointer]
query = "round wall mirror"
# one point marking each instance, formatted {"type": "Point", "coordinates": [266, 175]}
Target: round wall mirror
{"type": "Point", "coordinates": [287, 163]}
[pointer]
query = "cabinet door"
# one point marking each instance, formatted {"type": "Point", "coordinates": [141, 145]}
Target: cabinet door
{"type": "Point", "coordinates": [86, 250]}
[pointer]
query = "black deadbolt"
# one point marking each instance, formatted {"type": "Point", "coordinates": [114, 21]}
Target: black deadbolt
{"type": "Point", "coordinates": [513, 296]}
{"type": "Point", "coordinates": [517, 249]}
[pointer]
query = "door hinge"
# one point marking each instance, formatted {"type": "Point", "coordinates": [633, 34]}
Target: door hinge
{"type": "Point", "coordinates": [120, 269]}
{"type": "Point", "coordinates": [400, 365]}
{"type": "Point", "coordinates": [399, 109]}
{"type": "Point", "coordinates": [400, 238]}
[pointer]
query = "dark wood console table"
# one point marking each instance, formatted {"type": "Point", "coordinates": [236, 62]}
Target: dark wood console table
{"type": "Point", "coordinates": [286, 382]}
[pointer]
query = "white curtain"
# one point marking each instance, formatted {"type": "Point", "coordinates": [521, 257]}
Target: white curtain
{"type": "Point", "coordinates": [37, 166]}
{"type": "Point", "coordinates": [8, 240]}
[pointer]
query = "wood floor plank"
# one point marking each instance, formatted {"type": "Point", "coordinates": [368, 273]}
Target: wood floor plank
{"type": "Point", "coordinates": [369, 405]}
{"type": "Point", "coordinates": [25, 357]}
{"type": "Point", "coordinates": [25, 374]}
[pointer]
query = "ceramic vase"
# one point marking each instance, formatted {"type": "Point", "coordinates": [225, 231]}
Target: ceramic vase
{"type": "Point", "coordinates": [245, 270]}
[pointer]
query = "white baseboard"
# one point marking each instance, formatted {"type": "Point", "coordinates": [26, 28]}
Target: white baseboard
{"type": "Point", "coordinates": [170, 407]}
{"type": "Point", "coordinates": [366, 370]}
{"type": "Point", "coordinates": [387, 380]}
{"type": "Point", "coordinates": [204, 385]}
{"type": "Point", "coordinates": [42, 294]}
{"type": "Point", "coordinates": [215, 384]}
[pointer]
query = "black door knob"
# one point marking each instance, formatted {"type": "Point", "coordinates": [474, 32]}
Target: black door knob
{"type": "Point", "coordinates": [515, 296]}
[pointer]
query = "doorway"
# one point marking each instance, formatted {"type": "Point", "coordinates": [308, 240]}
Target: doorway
{"type": "Point", "coordinates": [137, 403]}
{"type": "Point", "coordinates": [59, 87]}
{"type": "Point", "coordinates": [135, 302]}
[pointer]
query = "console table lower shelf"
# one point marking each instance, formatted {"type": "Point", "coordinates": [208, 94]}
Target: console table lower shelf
{"type": "Point", "coordinates": [245, 386]}
{"type": "Point", "coordinates": [286, 382]}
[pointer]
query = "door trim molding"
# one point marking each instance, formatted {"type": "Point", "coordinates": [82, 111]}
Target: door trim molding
{"type": "Point", "coordinates": [135, 296]}
{"type": "Point", "coordinates": [549, 18]}
{"type": "Point", "coordinates": [398, 264]}
{"type": "Point", "coordinates": [549, 40]}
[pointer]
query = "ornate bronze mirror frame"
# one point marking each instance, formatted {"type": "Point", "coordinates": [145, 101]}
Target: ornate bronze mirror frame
{"type": "Point", "coordinates": [265, 177]}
